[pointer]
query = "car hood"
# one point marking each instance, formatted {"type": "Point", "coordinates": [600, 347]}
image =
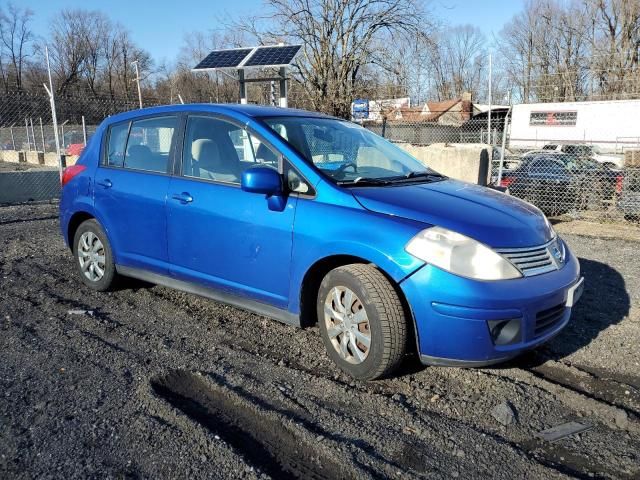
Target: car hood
{"type": "Point", "coordinates": [489, 216]}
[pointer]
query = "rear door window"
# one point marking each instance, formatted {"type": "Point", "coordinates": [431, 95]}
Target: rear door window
{"type": "Point", "coordinates": [150, 143]}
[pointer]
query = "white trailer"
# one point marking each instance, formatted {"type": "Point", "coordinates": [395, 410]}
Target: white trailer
{"type": "Point", "coordinates": [613, 125]}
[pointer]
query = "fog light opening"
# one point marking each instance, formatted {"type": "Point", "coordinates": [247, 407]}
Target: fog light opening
{"type": "Point", "coordinates": [504, 332]}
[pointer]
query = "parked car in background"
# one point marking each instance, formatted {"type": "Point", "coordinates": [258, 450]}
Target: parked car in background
{"type": "Point", "coordinates": [510, 159]}
{"type": "Point", "coordinates": [74, 148]}
{"type": "Point", "coordinates": [71, 143]}
{"type": "Point", "coordinates": [629, 201]}
{"type": "Point", "coordinates": [558, 182]}
{"type": "Point", "coordinates": [311, 219]}
{"type": "Point", "coordinates": [583, 151]}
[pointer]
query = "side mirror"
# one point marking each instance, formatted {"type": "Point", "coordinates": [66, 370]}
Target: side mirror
{"type": "Point", "coordinates": [264, 180]}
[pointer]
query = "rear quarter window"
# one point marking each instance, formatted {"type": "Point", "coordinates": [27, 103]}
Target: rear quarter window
{"type": "Point", "coordinates": [116, 144]}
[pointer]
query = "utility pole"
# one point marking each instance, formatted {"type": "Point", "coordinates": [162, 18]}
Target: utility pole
{"type": "Point", "coordinates": [489, 111]}
{"type": "Point", "coordinates": [54, 118]}
{"type": "Point", "coordinates": [135, 63]}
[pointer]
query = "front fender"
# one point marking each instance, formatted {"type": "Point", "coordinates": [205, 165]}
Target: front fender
{"type": "Point", "coordinates": [343, 230]}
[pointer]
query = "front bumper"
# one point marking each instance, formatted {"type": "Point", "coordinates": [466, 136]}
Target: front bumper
{"type": "Point", "coordinates": [451, 313]}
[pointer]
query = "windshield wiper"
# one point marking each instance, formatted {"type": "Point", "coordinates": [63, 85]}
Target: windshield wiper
{"type": "Point", "coordinates": [365, 181]}
{"type": "Point", "coordinates": [424, 174]}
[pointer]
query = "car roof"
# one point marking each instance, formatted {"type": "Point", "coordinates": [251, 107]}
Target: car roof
{"type": "Point", "coordinates": [233, 109]}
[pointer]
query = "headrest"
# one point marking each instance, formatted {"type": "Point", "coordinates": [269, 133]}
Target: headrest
{"type": "Point", "coordinates": [208, 155]}
{"type": "Point", "coordinates": [139, 151]}
{"type": "Point", "coordinates": [197, 146]}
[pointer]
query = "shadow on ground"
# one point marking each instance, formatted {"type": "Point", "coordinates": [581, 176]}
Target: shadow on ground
{"type": "Point", "coordinates": [605, 302]}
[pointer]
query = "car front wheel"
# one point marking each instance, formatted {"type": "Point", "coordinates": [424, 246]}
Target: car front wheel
{"type": "Point", "coordinates": [362, 321]}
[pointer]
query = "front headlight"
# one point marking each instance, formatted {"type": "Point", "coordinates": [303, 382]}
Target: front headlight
{"type": "Point", "coordinates": [460, 255]}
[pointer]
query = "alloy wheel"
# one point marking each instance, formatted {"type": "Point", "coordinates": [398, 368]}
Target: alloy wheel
{"type": "Point", "coordinates": [347, 325]}
{"type": "Point", "coordinates": [91, 255]}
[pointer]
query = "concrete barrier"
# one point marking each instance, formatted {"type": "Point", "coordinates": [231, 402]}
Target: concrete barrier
{"type": "Point", "coordinates": [12, 156]}
{"type": "Point", "coordinates": [51, 159]}
{"type": "Point", "coordinates": [36, 158]}
{"type": "Point", "coordinates": [28, 186]}
{"type": "Point", "coordinates": [464, 161]}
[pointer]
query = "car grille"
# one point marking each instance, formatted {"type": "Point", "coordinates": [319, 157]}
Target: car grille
{"type": "Point", "coordinates": [547, 319]}
{"type": "Point", "coordinates": [532, 260]}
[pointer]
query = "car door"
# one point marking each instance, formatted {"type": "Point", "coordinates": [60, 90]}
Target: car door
{"type": "Point", "coordinates": [131, 188]}
{"type": "Point", "coordinates": [219, 235]}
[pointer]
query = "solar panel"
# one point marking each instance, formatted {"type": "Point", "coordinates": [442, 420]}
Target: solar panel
{"type": "Point", "coordinates": [271, 56]}
{"type": "Point", "coordinates": [224, 58]}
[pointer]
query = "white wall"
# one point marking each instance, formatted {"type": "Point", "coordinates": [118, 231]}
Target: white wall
{"type": "Point", "coordinates": [613, 125]}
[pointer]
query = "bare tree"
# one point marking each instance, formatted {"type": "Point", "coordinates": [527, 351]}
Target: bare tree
{"type": "Point", "coordinates": [616, 46]}
{"type": "Point", "coordinates": [15, 36]}
{"type": "Point", "coordinates": [573, 50]}
{"type": "Point", "coordinates": [339, 40]}
{"type": "Point", "coordinates": [95, 37]}
{"type": "Point", "coordinates": [67, 47]}
{"type": "Point", "coordinates": [458, 62]}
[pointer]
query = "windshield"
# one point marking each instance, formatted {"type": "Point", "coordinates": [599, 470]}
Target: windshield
{"type": "Point", "coordinates": [349, 153]}
{"type": "Point", "coordinates": [571, 162]}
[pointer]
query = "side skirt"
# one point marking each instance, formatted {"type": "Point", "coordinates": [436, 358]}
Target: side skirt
{"type": "Point", "coordinates": [263, 309]}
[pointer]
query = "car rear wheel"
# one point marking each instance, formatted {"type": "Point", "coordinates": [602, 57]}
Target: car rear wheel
{"type": "Point", "coordinates": [93, 255]}
{"type": "Point", "coordinates": [362, 321]}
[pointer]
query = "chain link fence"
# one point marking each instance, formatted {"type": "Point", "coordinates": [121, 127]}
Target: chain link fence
{"type": "Point", "coordinates": [584, 176]}
{"type": "Point", "coordinates": [587, 176]}
{"type": "Point", "coordinates": [28, 157]}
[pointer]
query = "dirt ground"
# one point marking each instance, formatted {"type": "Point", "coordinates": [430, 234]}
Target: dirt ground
{"type": "Point", "coordinates": [20, 167]}
{"type": "Point", "coordinates": [149, 382]}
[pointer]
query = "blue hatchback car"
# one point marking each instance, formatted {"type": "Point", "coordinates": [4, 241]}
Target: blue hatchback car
{"type": "Point", "coordinates": [310, 219]}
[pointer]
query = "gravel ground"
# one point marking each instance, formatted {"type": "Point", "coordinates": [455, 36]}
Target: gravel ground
{"type": "Point", "coordinates": [149, 382]}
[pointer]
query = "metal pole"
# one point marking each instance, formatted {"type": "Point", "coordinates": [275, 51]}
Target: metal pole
{"type": "Point", "coordinates": [283, 87]}
{"type": "Point", "coordinates": [489, 112]}
{"type": "Point", "coordinates": [13, 140]}
{"type": "Point", "coordinates": [62, 130]}
{"type": "Point", "coordinates": [504, 143]}
{"type": "Point", "coordinates": [272, 93]}
{"type": "Point", "coordinates": [243, 87]}
{"type": "Point", "coordinates": [180, 98]}
{"type": "Point", "coordinates": [135, 63]}
{"type": "Point", "coordinates": [84, 131]}
{"type": "Point", "coordinates": [33, 135]}
{"type": "Point", "coordinates": [44, 147]}
{"type": "Point", "coordinates": [26, 128]}
{"type": "Point", "coordinates": [54, 118]}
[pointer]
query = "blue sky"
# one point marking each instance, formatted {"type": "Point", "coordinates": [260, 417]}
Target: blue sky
{"type": "Point", "coordinates": [159, 26]}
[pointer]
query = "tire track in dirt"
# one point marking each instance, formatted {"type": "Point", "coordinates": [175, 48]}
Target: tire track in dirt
{"type": "Point", "coordinates": [260, 437]}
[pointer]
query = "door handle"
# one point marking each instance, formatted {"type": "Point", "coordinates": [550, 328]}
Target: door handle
{"type": "Point", "coordinates": [183, 197]}
{"type": "Point", "coordinates": [106, 183]}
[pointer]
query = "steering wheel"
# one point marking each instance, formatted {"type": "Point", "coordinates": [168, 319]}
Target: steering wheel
{"type": "Point", "coordinates": [342, 168]}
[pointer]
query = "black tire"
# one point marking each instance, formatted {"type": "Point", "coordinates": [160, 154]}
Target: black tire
{"type": "Point", "coordinates": [388, 322]}
{"type": "Point", "coordinates": [109, 277]}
